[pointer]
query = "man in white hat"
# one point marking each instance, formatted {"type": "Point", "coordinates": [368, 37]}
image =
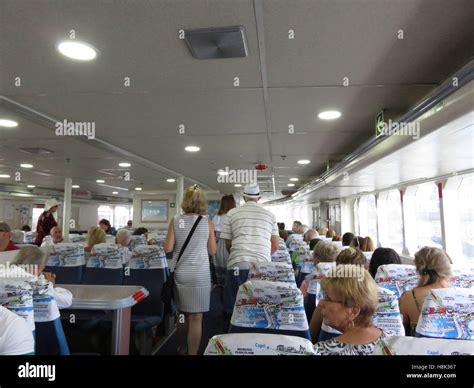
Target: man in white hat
{"type": "Point", "coordinates": [251, 235]}
{"type": "Point", "coordinates": [46, 220]}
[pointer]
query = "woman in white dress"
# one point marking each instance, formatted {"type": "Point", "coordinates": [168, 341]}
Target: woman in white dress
{"type": "Point", "coordinates": [192, 292]}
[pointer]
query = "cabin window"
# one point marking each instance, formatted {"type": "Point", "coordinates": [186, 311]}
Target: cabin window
{"type": "Point", "coordinates": [389, 211]}
{"type": "Point", "coordinates": [368, 217]}
{"type": "Point", "coordinates": [466, 215]}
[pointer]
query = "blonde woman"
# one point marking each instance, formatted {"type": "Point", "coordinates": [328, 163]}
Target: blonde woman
{"type": "Point", "coordinates": [434, 268]}
{"type": "Point", "coordinates": [192, 273]}
{"type": "Point", "coordinates": [321, 331]}
{"type": "Point", "coordinates": [95, 236]}
{"type": "Point", "coordinates": [348, 306]}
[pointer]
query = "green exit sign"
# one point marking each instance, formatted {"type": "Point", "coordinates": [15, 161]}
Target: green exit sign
{"type": "Point", "coordinates": [379, 124]}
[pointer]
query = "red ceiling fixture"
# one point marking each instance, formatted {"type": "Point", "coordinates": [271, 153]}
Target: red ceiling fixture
{"type": "Point", "coordinates": [261, 167]}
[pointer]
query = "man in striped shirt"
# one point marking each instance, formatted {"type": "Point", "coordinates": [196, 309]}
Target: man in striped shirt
{"type": "Point", "coordinates": [251, 235]}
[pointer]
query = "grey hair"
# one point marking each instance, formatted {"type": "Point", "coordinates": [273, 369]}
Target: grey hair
{"type": "Point", "coordinates": [30, 255]}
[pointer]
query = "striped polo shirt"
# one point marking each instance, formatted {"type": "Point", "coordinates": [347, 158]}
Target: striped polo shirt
{"type": "Point", "coordinates": [250, 228]}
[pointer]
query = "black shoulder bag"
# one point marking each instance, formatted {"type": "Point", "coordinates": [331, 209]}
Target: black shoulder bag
{"type": "Point", "coordinates": [168, 287]}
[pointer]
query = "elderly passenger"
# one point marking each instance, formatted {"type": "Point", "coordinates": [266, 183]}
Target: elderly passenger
{"type": "Point", "coordinates": [349, 303]}
{"type": "Point", "coordinates": [310, 235]}
{"type": "Point", "coordinates": [5, 238]}
{"type": "Point", "coordinates": [123, 237]}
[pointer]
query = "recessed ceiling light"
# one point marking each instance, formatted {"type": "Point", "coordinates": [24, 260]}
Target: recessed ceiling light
{"type": "Point", "coordinates": [31, 186]}
{"type": "Point", "coordinates": [294, 179]}
{"type": "Point", "coordinates": [238, 185]}
{"type": "Point", "coordinates": [290, 184]}
{"type": "Point", "coordinates": [222, 172]}
{"type": "Point", "coordinates": [77, 50]}
{"type": "Point", "coordinates": [26, 165]}
{"type": "Point", "coordinates": [8, 123]}
{"type": "Point", "coordinates": [304, 161]}
{"type": "Point", "coordinates": [124, 164]}
{"type": "Point", "coordinates": [4, 176]}
{"type": "Point", "coordinates": [100, 181]}
{"type": "Point", "coordinates": [75, 186]}
{"type": "Point", "coordinates": [171, 180]}
{"type": "Point", "coordinates": [138, 188]}
{"type": "Point", "coordinates": [329, 115]}
{"type": "Point", "coordinates": [114, 192]}
{"type": "Point", "coordinates": [192, 148]}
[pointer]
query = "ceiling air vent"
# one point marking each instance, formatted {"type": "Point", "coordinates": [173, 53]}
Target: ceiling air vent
{"type": "Point", "coordinates": [36, 151]}
{"type": "Point", "coordinates": [216, 43]}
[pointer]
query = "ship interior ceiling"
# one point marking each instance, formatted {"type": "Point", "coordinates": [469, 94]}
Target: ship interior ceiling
{"type": "Point", "coordinates": [145, 86]}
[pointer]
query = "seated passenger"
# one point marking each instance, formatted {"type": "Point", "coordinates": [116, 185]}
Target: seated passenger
{"type": "Point", "coordinates": [129, 225]}
{"type": "Point", "coordinates": [367, 245]}
{"type": "Point", "coordinates": [55, 237]}
{"type": "Point", "coordinates": [331, 233]}
{"type": "Point", "coordinates": [106, 227]}
{"type": "Point", "coordinates": [383, 256]}
{"type": "Point", "coordinates": [310, 235]}
{"type": "Point", "coordinates": [297, 234]}
{"type": "Point", "coordinates": [96, 235]}
{"type": "Point", "coordinates": [323, 252]}
{"type": "Point", "coordinates": [33, 260]}
{"type": "Point", "coordinates": [434, 267]}
{"type": "Point", "coordinates": [313, 243]}
{"type": "Point", "coordinates": [5, 238]}
{"type": "Point", "coordinates": [123, 237]}
{"type": "Point", "coordinates": [140, 231]}
{"type": "Point", "coordinates": [348, 305]}
{"type": "Point", "coordinates": [347, 256]}
{"type": "Point", "coordinates": [322, 231]}
{"type": "Point", "coordinates": [16, 338]}
{"type": "Point", "coordinates": [352, 256]}
{"type": "Point", "coordinates": [357, 242]}
{"type": "Point", "coordinates": [347, 239]}
{"type": "Point", "coordinates": [26, 228]}
{"type": "Point", "coordinates": [336, 238]}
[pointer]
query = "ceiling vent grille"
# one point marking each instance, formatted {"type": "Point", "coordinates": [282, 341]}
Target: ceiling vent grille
{"type": "Point", "coordinates": [36, 151]}
{"type": "Point", "coordinates": [217, 43]}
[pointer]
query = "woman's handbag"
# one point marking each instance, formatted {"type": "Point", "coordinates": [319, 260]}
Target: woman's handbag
{"type": "Point", "coordinates": [168, 287]}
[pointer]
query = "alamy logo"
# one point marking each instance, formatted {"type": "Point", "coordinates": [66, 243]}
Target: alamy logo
{"type": "Point", "coordinates": [69, 128]}
{"type": "Point", "coordinates": [395, 128]}
{"type": "Point", "coordinates": [37, 371]}
{"type": "Point", "coordinates": [237, 176]}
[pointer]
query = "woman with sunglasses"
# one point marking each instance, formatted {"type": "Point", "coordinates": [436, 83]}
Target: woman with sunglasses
{"type": "Point", "coordinates": [349, 303]}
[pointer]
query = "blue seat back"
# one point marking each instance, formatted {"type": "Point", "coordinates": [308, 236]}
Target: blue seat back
{"type": "Point", "coordinates": [103, 276]}
{"type": "Point", "coordinates": [67, 275]}
{"type": "Point", "coordinates": [152, 280]}
{"type": "Point", "coordinates": [50, 339]}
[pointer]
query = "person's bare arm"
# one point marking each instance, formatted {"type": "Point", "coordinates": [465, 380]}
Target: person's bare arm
{"type": "Point", "coordinates": [211, 242]}
{"type": "Point", "coordinates": [274, 244]}
{"type": "Point", "coordinates": [316, 322]}
{"type": "Point", "coordinates": [170, 239]}
{"type": "Point", "coordinates": [228, 245]}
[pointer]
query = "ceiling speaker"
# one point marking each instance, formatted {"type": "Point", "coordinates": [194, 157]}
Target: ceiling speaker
{"type": "Point", "coordinates": [217, 43]}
